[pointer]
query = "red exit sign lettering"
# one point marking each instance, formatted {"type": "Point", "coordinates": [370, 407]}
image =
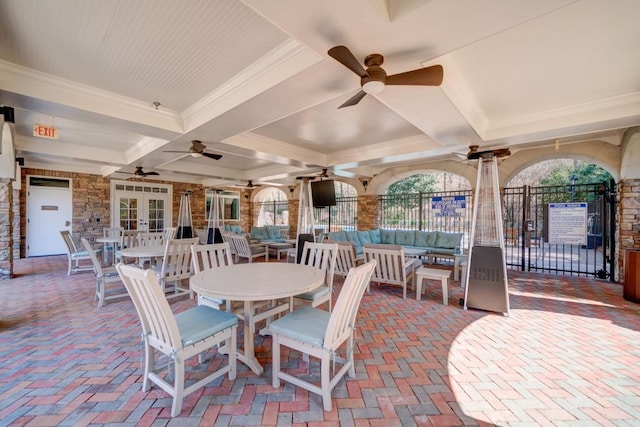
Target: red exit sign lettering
{"type": "Point", "coordinates": [43, 131]}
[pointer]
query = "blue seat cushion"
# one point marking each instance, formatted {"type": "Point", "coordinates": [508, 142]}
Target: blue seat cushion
{"type": "Point", "coordinates": [306, 324]}
{"type": "Point", "coordinates": [364, 237]}
{"type": "Point", "coordinates": [425, 239]}
{"type": "Point", "coordinates": [405, 237]}
{"type": "Point", "coordinates": [201, 321]}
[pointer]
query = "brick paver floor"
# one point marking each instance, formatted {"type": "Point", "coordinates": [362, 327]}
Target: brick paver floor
{"type": "Point", "coordinates": [568, 354]}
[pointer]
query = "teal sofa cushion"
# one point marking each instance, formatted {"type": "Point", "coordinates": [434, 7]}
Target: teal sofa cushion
{"type": "Point", "coordinates": [405, 237]}
{"type": "Point", "coordinates": [375, 236]}
{"type": "Point", "coordinates": [259, 233]}
{"type": "Point", "coordinates": [425, 239]}
{"type": "Point", "coordinates": [273, 232]}
{"type": "Point", "coordinates": [338, 236]}
{"type": "Point", "coordinates": [233, 229]}
{"type": "Point", "coordinates": [365, 237]}
{"type": "Point", "coordinates": [388, 237]}
{"type": "Point", "coordinates": [448, 240]}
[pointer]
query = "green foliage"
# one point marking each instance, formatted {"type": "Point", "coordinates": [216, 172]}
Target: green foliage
{"type": "Point", "coordinates": [579, 173]}
{"type": "Point", "coordinates": [413, 184]}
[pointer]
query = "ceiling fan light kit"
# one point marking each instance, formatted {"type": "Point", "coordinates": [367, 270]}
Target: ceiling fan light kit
{"type": "Point", "coordinates": [374, 79]}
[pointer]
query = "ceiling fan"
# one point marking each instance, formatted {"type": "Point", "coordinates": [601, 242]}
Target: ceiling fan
{"type": "Point", "coordinates": [140, 173]}
{"type": "Point", "coordinates": [249, 184]}
{"type": "Point", "coordinates": [321, 175]}
{"type": "Point", "coordinates": [197, 150]}
{"type": "Point", "coordinates": [374, 79]}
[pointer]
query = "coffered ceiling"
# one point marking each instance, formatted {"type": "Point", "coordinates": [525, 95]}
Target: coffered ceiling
{"type": "Point", "coordinates": [253, 81]}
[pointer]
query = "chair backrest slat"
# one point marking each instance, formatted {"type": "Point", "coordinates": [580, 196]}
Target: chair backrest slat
{"type": "Point", "coordinates": [128, 238]}
{"type": "Point", "coordinates": [389, 264]}
{"type": "Point", "coordinates": [210, 256]}
{"type": "Point", "coordinates": [346, 258]}
{"type": "Point", "coordinates": [176, 263]}
{"type": "Point", "coordinates": [68, 241]}
{"type": "Point", "coordinates": [147, 238]}
{"type": "Point", "coordinates": [321, 256]}
{"type": "Point", "coordinates": [153, 309]}
{"type": "Point", "coordinates": [342, 320]}
{"type": "Point", "coordinates": [97, 267]}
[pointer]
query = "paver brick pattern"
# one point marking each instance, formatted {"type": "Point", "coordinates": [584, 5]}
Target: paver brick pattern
{"type": "Point", "coordinates": [568, 354]}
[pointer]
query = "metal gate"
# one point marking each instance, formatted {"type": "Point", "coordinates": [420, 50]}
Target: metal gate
{"type": "Point", "coordinates": [527, 247]}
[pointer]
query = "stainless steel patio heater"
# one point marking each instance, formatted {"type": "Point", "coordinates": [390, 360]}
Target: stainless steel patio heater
{"type": "Point", "coordinates": [185, 224]}
{"type": "Point", "coordinates": [215, 222]}
{"type": "Point", "coordinates": [487, 287]}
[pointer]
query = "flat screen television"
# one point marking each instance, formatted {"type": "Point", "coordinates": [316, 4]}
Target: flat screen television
{"type": "Point", "coordinates": [323, 193]}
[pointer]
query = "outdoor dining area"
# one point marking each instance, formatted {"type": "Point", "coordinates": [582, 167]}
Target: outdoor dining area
{"type": "Point", "coordinates": [230, 279]}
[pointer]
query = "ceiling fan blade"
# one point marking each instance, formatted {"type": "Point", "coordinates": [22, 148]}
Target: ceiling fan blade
{"type": "Point", "coordinates": [430, 76]}
{"type": "Point", "coordinates": [354, 99]}
{"type": "Point", "coordinates": [344, 56]}
{"type": "Point", "coordinates": [175, 151]}
{"type": "Point", "coordinates": [213, 156]}
{"type": "Point", "coordinates": [150, 174]}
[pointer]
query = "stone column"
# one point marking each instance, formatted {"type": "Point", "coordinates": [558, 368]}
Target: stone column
{"type": "Point", "coordinates": [628, 219]}
{"type": "Point", "coordinates": [6, 229]}
{"type": "Point", "coordinates": [368, 207]}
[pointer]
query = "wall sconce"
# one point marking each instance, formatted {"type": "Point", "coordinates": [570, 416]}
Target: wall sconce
{"type": "Point", "coordinates": [292, 189]}
{"type": "Point", "coordinates": [365, 183]}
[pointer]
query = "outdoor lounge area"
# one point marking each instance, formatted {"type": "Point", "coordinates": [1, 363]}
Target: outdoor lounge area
{"type": "Point", "coordinates": [67, 362]}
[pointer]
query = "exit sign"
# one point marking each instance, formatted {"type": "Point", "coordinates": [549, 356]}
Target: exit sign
{"type": "Point", "coordinates": [45, 131]}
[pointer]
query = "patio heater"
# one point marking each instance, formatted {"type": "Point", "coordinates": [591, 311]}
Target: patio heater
{"type": "Point", "coordinates": [487, 287]}
{"type": "Point", "coordinates": [306, 222]}
{"type": "Point", "coordinates": [185, 227]}
{"type": "Point", "coordinates": [215, 222]}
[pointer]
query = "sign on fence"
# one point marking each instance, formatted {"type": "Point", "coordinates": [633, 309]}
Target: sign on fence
{"type": "Point", "coordinates": [449, 206]}
{"type": "Point", "coordinates": [568, 223]}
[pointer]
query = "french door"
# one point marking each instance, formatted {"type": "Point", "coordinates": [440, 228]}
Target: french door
{"type": "Point", "coordinates": [141, 206]}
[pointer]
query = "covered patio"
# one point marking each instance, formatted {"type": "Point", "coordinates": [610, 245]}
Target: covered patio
{"type": "Point", "coordinates": [568, 354]}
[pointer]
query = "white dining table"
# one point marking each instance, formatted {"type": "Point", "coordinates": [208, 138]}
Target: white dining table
{"type": "Point", "coordinates": [143, 252]}
{"type": "Point", "coordinates": [256, 281]}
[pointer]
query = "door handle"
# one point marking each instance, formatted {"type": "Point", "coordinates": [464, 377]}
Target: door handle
{"type": "Point", "coordinates": [67, 223]}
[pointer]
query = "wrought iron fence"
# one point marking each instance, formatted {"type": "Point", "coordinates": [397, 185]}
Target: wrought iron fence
{"type": "Point", "coordinates": [342, 216]}
{"type": "Point", "coordinates": [526, 230]}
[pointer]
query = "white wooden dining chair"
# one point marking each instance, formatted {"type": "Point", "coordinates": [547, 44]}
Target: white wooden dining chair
{"type": "Point", "coordinates": [392, 267]}
{"type": "Point", "coordinates": [104, 276]}
{"type": "Point", "coordinates": [346, 258]}
{"type": "Point", "coordinates": [180, 336]}
{"type": "Point", "coordinates": [77, 256]}
{"type": "Point", "coordinates": [321, 256]}
{"type": "Point", "coordinates": [176, 268]}
{"type": "Point", "coordinates": [321, 334]}
{"type": "Point", "coordinates": [128, 239]}
{"type": "Point", "coordinates": [217, 255]}
{"type": "Point", "coordinates": [209, 257]}
{"type": "Point", "coordinates": [244, 249]}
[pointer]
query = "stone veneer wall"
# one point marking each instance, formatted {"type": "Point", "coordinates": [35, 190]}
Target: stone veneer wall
{"type": "Point", "coordinates": [628, 220]}
{"type": "Point", "coordinates": [91, 200]}
{"type": "Point", "coordinates": [6, 236]}
{"type": "Point", "coordinates": [16, 223]}
{"type": "Point", "coordinates": [368, 212]}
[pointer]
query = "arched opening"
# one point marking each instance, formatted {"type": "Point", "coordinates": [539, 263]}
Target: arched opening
{"type": "Point", "coordinates": [272, 207]}
{"type": "Point", "coordinates": [559, 217]}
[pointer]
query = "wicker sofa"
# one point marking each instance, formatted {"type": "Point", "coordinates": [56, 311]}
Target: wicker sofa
{"type": "Point", "coordinates": [436, 243]}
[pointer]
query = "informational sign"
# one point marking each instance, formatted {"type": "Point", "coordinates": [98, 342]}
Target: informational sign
{"type": "Point", "coordinates": [449, 206]}
{"type": "Point", "coordinates": [44, 131]}
{"type": "Point", "coordinates": [568, 223]}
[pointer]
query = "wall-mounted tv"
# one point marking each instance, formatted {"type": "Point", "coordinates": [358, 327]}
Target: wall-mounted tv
{"type": "Point", "coordinates": [323, 193]}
